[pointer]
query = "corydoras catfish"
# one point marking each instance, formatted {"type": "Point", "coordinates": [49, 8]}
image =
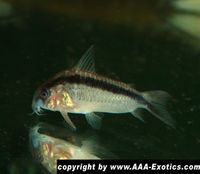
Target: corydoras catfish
{"type": "Point", "coordinates": [48, 149]}
{"type": "Point", "coordinates": [81, 90]}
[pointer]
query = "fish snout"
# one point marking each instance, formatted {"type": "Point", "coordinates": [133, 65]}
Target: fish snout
{"type": "Point", "coordinates": [37, 105]}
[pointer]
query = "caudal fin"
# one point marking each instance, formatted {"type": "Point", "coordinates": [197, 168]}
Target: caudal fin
{"type": "Point", "coordinates": [157, 101]}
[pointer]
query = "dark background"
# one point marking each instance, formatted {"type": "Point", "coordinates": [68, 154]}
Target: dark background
{"type": "Point", "coordinates": [37, 41]}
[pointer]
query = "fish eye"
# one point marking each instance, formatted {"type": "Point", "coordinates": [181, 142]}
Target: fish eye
{"type": "Point", "coordinates": [44, 93]}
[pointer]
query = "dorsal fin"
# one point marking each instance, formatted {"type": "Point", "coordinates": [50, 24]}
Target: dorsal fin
{"type": "Point", "coordinates": [86, 62]}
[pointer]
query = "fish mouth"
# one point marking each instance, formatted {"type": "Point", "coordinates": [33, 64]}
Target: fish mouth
{"type": "Point", "coordinates": [37, 106]}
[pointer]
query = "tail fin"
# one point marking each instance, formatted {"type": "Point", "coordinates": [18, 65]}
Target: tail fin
{"type": "Point", "coordinates": [157, 101]}
{"type": "Point", "coordinates": [186, 17]}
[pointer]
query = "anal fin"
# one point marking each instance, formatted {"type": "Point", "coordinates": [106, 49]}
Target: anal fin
{"type": "Point", "coordinates": [94, 120]}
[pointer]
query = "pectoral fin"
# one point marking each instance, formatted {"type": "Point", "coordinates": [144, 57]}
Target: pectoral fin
{"type": "Point", "coordinates": [68, 120]}
{"type": "Point", "coordinates": [94, 120]}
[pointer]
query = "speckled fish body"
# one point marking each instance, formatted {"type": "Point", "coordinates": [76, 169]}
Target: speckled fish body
{"type": "Point", "coordinates": [81, 90]}
{"type": "Point", "coordinates": [88, 92]}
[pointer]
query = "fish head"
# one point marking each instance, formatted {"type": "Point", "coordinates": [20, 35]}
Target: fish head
{"type": "Point", "coordinates": [42, 147]}
{"type": "Point", "coordinates": [36, 140]}
{"type": "Point", "coordinates": [46, 98]}
{"type": "Point", "coordinates": [47, 149]}
{"type": "Point", "coordinates": [40, 97]}
{"type": "Point", "coordinates": [52, 96]}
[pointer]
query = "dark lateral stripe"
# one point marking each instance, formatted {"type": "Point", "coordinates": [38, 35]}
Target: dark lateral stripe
{"type": "Point", "coordinates": [92, 82]}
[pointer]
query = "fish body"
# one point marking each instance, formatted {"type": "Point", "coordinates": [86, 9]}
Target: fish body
{"type": "Point", "coordinates": [87, 92]}
{"type": "Point", "coordinates": [82, 90]}
{"type": "Point", "coordinates": [47, 149]}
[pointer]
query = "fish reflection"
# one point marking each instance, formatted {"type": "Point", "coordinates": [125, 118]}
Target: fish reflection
{"type": "Point", "coordinates": [48, 149]}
